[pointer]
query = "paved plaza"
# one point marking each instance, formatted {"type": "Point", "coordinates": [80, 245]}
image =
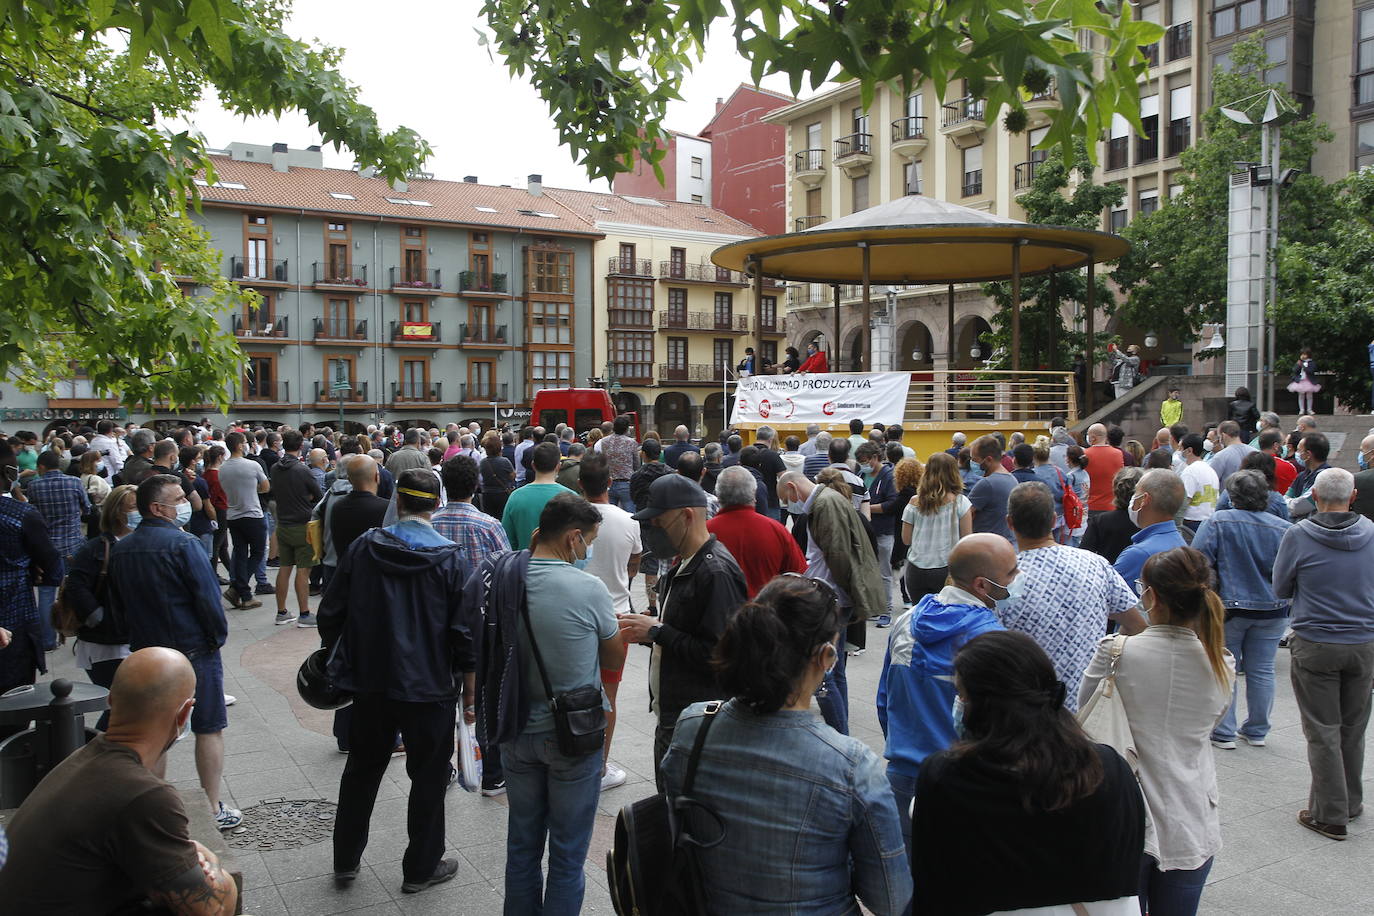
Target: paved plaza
{"type": "Point", "coordinates": [277, 747]}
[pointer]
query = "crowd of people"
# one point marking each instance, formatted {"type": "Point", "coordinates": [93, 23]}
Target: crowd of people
{"type": "Point", "coordinates": [491, 578]}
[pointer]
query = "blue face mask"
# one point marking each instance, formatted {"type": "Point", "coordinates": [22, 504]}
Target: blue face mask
{"type": "Point", "coordinates": [1014, 592]}
{"type": "Point", "coordinates": [582, 561]}
{"type": "Point", "coordinates": [958, 712]}
{"type": "Point", "coordinates": [132, 519]}
{"type": "Point", "coordinates": [1363, 462]}
{"type": "Point", "coordinates": [183, 514]}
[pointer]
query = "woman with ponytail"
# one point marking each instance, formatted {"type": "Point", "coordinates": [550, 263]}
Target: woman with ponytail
{"type": "Point", "coordinates": [806, 816]}
{"type": "Point", "coordinates": [1175, 682]}
{"type": "Point", "coordinates": [1023, 787]}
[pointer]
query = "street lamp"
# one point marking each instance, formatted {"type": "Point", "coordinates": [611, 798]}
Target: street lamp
{"type": "Point", "coordinates": [1151, 340]}
{"type": "Point", "coordinates": [1217, 342]}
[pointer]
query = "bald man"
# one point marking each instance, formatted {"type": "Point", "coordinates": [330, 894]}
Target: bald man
{"type": "Point", "coordinates": [1103, 462]}
{"type": "Point", "coordinates": [1364, 480]}
{"type": "Point", "coordinates": [103, 831]}
{"type": "Point", "coordinates": [916, 690]}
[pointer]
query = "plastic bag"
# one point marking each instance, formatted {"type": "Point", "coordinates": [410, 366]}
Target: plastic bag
{"type": "Point", "coordinates": [469, 758]}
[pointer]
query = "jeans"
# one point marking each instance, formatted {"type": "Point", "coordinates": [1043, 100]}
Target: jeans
{"type": "Point", "coordinates": [834, 703]}
{"type": "Point", "coordinates": [903, 791]}
{"type": "Point", "coordinates": [620, 495]}
{"type": "Point", "coordinates": [885, 569]}
{"type": "Point", "coordinates": [260, 571]}
{"type": "Point", "coordinates": [1331, 684]}
{"type": "Point", "coordinates": [207, 540]}
{"type": "Point", "coordinates": [47, 594]}
{"type": "Point", "coordinates": [1170, 893]}
{"type": "Point", "coordinates": [555, 796]}
{"type": "Point", "coordinates": [921, 582]}
{"type": "Point", "coordinates": [102, 673]}
{"type": "Point", "coordinates": [1253, 642]}
{"type": "Point", "coordinates": [249, 536]}
{"type": "Point", "coordinates": [428, 730]}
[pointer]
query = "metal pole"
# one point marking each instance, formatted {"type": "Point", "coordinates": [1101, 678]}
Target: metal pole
{"type": "Point", "coordinates": [1271, 326]}
{"type": "Point", "coordinates": [867, 361]}
{"type": "Point", "coordinates": [951, 356]}
{"type": "Point", "coordinates": [835, 344]}
{"type": "Point", "coordinates": [1262, 388]}
{"type": "Point", "coordinates": [1016, 305]}
{"type": "Point", "coordinates": [1090, 388]}
{"type": "Point", "coordinates": [758, 314]}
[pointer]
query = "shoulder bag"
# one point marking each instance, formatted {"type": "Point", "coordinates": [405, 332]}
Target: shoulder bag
{"type": "Point", "coordinates": [579, 719]}
{"type": "Point", "coordinates": [1103, 717]}
{"type": "Point", "coordinates": [652, 867]}
{"type": "Point", "coordinates": [67, 620]}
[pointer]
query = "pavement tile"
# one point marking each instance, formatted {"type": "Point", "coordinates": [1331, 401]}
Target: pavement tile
{"type": "Point", "coordinates": [321, 896]}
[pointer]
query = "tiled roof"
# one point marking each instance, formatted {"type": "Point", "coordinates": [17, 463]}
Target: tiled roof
{"type": "Point", "coordinates": [345, 191]}
{"type": "Point", "coordinates": [642, 211]}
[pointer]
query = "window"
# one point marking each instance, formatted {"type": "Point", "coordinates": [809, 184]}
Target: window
{"type": "Point", "coordinates": [632, 355]}
{"type": "Point", "coordinates": [338, 261]}
{"type": "Point", "coordinates": [631, 302]}
{"type": "Point", "coordinates": [770, 313]}
{"type": "Point", "coordinates": [677, 308]}
{"type": "Point", "coordinates": [911, 177]}
{"type": "Point", "coordinates": [915, 107]}
{"type": "Point", "coordinates": [696, 166]}
{"type": "Point", "coordinates": [481, 380]}
{"type": "Point", "coordinates": [1033, 140]}
{"type": "Point", "coordinates": [479, 260]}
{"type": "Point", "coordinates": [550, 370]}
{"type": "Point", "coordinates": [627, 258]}
{"type": "Point", "coordinates": [813, 136]}
{"type": "Point", "coordinates": [259, 378]}
{"type": "Point", "coordinates": [1364, 144]}
{"type": "Point", "coordinates": [859, 189]}
{"type": "Point", "coordinates": [415, 379]}
{"type": "Point", "coordinates": [413, 269]}
{"type": "Point", "coordinates": [725, 307]}
{"type": "Point", "coordinates": [973, 171]}
{"type": "Point", "coordinates": [1223, 21]}
{"type": "Point", "coordinates": [414, 232]}
{"type": "Point", "coordinates": [338, 227]}
{"type": "Point", "coordinates": [335, 368]}
{"type": "Point", "coordinates": [677, 263]}
{"type": "Point", "coordinates": [1181, 119]}
{"type": "Point", "coordinates": [479, 321]}
{"type": "Point", "coordinates": [257, 219]}
{"type": "Point", "coordinates": [1175, 190]}
{"type": "Point", "coordinates": [551, 323]}
{"type": "Point", "coordinates": [1147, 202]}
{"type": "Point", "coordinates": [1276, 49]}
{"type": "Point", "coordinates": [722, 356]}
{"type": "Point", "coordinates": [256, 268]}
{"type": "Point", "coordinates": [1147, 145]}
{"type": "Point", "coordinates": [1364, 58]}
{"type": "Point", "coordinates": [338, 318]}
{"type": "Point", "coordinates": [1117, 219]}
{"type": "Point", "coordinates": [677, 354]}
{"type": "Point", "coordinates": [1248, 14]}
{"type": "Point", "coordinates": [813, 202]}
{"type": "Point", "coordinates": [259, 319]}
{"type": "Point", "coordinates": [415, 311]}
{"type": "Point", "coordinates": [859, 120]}
{"type": "Point", "coordinates": [697, 199]}
{"type": "Point", "coordinates": [770, 351]}
{"type": "Point", "coordinates": [550, 270]}
{"type": "Point", "coordinates": [1118, 143]}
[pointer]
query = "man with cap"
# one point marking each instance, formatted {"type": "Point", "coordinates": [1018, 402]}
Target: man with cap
{"type": "Point", "coordinates": [696, 598]}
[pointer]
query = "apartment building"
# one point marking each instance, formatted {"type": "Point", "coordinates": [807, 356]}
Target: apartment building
{"type": "Point", "coordinates": [672, 326]}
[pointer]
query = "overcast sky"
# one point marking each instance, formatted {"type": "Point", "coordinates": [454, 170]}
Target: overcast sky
{"type": "Point", "coordinates": [418, 63]}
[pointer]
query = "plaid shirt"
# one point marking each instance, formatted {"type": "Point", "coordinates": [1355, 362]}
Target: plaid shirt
{"type": "Point", "coordinates": [477, 534]}
{"type": "Point", "coordinates": [63, 502]}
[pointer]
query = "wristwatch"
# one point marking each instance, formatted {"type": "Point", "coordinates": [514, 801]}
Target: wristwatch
{"type": "Point", "coordinates": [653, 632]}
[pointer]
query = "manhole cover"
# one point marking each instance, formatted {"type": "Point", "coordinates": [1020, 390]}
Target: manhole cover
{"type": "Point", "coordinates": [279, 823]}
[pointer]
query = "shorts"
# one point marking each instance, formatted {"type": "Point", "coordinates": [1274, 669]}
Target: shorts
{"type": "Point", "coordinates": [613, 677]}
{"type": "Point", "coordinates": [293, 547]}
{"type": "Point", "coordinates": [209, 716]}
{"type": "Point", "coordinates": [650, 565]}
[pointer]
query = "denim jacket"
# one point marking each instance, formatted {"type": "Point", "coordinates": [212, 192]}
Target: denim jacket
{"type": "Point", "coordinates": [809, 815]}
{"type": "Point", "coordinates": [163, 588]}
{"type": "Point", "coordinates": [1241, 545]}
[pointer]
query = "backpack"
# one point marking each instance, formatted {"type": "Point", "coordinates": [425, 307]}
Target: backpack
{"type": "Point", "coordinates": [67, 620]}
{"type": "Point", "coordinates": [652, 867]}
{"type": "Point", "coordinates": [1073, 505]}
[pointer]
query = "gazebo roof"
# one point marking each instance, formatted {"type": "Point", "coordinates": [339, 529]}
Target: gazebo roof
{"type": "Point", "coordinates": [918, 240]}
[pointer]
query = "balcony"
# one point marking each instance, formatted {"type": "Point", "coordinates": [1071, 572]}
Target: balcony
{"type": "Point", "coordinates": [770, 325]}
{"type": "Point", "coordinates": [909, 137]}
{"type": "Point", "coordinates": [265, 392]}
{"type": "Point", "coordinates": [1117, 151]}
{"type": "Point", "coordinates": [1041, 106]}
{"type": "Point", "coordinates": [477, 335]}
{"type": "Point", "coordinates": [962, 120]}
{"type": "Point", "coordinates": [633, 373]}
{"type": "Point", "coordinates": [416, 332]}
{"type": "Point", "coordinates": [808, 167]}
{"type": "Point", "coordinates": [331, 329]}
{"type": "Point", "coordinates": [630, 267]}
{"type": "Point", "coordinates": [808, 296]}
{"type": "Point", "coordinates": [474, 282]}
{"type": "Point", "coordinates": [701, 273]}
{"type": "Point", "coordinates": [973, 183]}
{"type": "Point", "coordinates": [854, 154]}
{"type": "Point", "coordinates": [258, 270]}
{"type": "Point", "coordinates": [426, 282]}
{"type": "Point", "coordinates": [404, 392]}
{"type": "Point", "coordinates": [355, 395]}
{"type": "Point", "coordinates": [1025, 174]}
{"type": "Point", "coordinates": [484, 394]}
{"type": "Point", "coordinates": [690, 373]}
{"type": "Point", "coordinates": [262, 326]}
{"type": "Point", "coordinates": [803, 223]}
{"type": "Point", "coordinates": [1180, 135]}
{"type": "Point", "coordinates": [703, 321]}
{"type": "Point", "coordinates": [332, 277]}
{"type": "Point", "coordinates": [1178, 42]}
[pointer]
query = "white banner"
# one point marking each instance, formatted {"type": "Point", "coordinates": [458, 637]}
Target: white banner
{"type": "Point", "coordinates": [834, 397]}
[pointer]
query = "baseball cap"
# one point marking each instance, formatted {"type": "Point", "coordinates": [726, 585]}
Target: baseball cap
{"type": "Point", "coordinates": [672, 491]}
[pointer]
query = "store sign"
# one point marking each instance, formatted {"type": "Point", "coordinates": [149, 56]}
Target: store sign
{"type": "Point", "coordinates": [514, 413]}
{"type": "Point", "coordinates": [832, 397]}
{"type": "Point", "coordinates": [64, 413]}
{"type": "Point", "coordinates": [417, 329]}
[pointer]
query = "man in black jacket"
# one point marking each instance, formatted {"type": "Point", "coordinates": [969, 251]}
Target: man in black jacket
{"type": "Point", "coordinates": [658, 553]}
{"type": "Point", "coordinates": [391, 619]}
{"type": "Point", "coordinates": [296, 492]}
{"type": "Point", "coordinates": [698, 596]}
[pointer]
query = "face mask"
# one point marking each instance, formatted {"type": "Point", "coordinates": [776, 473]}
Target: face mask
{"type": "Point", "coordinates": [582, 561]}
{"type": "Point", "coordinates": [1363, 462]}
{"type": "Point", "coordinates": [796, 507]}
{"type": "Point", "coordinates": [132, 519]}
{"type": "Point", "coordinates": [1013, 593]}
{"type": "Point", "coordinates": [1148, 610]}
{"type": "Point", "coordinates": [185, 730]}
{"type": "Point", "coordinates": [200, 467]}
{"type": "Point", "coordinates": [1134, 513]}
{"type": "Point", "coordinates": [183, 514]}
{"type": "Point", "coordinates": [1207, 445]}
{"type": "Point", "coordinates": [958, 712]}
{"type": "Point", "coordinates": [656, 542]}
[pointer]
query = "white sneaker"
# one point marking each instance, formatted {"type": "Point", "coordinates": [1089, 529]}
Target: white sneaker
{"type": "Point", "coordinates": [1224, 745]}
{"type": "Point", "coordinates": [230, 699]}
{"type": "Point", "coordinates": [1253, 742]}
{"type": "Point", "coordinates": [613, 777]}
{"type": "Point", "coordinates": [228, 818]}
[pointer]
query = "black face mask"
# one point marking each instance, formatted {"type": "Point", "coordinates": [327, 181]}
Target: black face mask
{"type": "Point", "coordinates": [656, 542]}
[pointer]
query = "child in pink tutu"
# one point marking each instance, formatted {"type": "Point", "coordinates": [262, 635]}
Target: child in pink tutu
{"type": "Point", "coordinates": [1305, 381]}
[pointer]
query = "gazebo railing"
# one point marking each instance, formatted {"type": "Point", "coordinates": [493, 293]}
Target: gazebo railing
{"type": "Point", "coordinates": [1000, 396]}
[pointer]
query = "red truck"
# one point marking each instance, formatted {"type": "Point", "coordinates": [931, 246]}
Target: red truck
{"type": "Point", "coordinates": [581, 408]}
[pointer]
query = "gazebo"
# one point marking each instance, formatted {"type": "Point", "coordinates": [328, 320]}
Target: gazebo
{"type": "Point", "coordinates": [921, 241]}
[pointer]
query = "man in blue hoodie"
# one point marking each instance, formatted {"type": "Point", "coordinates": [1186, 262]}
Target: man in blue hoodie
{"type": "Point", "coordinates": [916, 691]}
{"type": "Point", "coordinates": [1325, 564]}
